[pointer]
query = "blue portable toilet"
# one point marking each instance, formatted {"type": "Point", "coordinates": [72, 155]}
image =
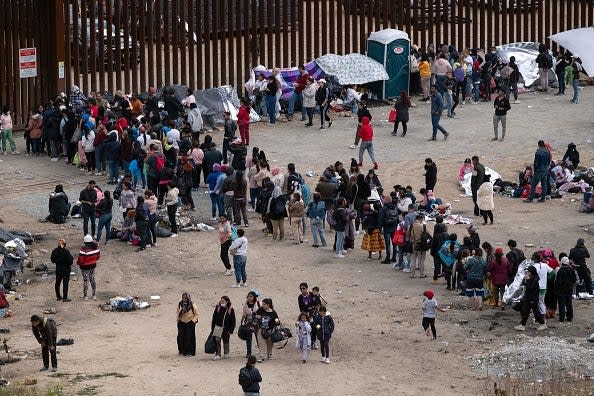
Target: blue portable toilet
{"type": "Point", "coordinates": [391, 48]}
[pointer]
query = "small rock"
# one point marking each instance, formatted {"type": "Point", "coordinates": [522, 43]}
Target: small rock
{"type": "Point", "coordinates": [383, 377]}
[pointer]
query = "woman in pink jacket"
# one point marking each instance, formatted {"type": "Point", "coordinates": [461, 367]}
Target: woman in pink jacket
{"type": "Point", "coordinates": [6, 130]}
{"type": "Point", "coordinates": [243, 121]}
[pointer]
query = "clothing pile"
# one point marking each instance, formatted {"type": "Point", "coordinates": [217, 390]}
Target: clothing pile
{"type": "Point", "coordinates": [124, 304]}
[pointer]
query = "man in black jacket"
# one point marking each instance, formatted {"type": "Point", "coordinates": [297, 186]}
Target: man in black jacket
{"type": "Point", "coordinates": [430, 174]}
{"type": "Point", "coordinates": [62, 258]}
{"type": "Point", "coordinates": [578, 255]}
{"type": "Point", "coordinates": [88, 199]}
{"type": "Point", "coordinates": [502, 106]}
{"type": "Point", "coordinates": [564, 282]}
{"type": "Point", "coordinates": [478, 177]}
{"type": "Point", "coordinates": [440, 235]}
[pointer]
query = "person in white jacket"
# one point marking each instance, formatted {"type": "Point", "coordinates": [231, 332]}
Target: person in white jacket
{"type": "Point", "coordinates": [484, 200]}
{"type": "Point", "coordinates": [195, 120]}
{"type": "Point", "coordinates": [88, 145]}
{"type": "Point", "coordinates": [239, 250]}
{"type": "Point", "coordinates": [309, 99]}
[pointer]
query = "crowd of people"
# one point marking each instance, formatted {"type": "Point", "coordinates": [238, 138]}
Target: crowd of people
{"type": "Point", "coordinates": [151, 152]}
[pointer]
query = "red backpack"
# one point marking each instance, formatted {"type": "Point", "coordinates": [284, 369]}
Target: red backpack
{"type": "Point", "coordinates": [159, 162]}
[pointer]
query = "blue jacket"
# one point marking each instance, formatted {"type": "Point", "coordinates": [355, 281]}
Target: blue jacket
{"type": "Point", "coordinates": [256, 379]}
{"type": "Point", "coordinates": [212, 180]}
{"type": "Point", "coordinates": [316, 210]}
{"type": "Point", "coordinates": [542, 159]}
{"type": "Point", "coordinates": [436, 104]}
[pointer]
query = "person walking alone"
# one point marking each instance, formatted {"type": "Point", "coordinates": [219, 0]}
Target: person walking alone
{"type": "Point", "coordinates": [502, 106]}
{"type": "Point", "coordinates": [366, 135]}
{"type": "Point", "coordinates": [437, 107]}
{"type": "Point", "coordinates": [87, 259]}
{"type": "Point", "coordinates": [46, 333]}
{"type": "Point", "coordinates": [63, 260]}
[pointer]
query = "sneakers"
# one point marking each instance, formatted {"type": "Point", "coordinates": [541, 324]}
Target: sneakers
{"type": "Point", "coordinates": [352, 146]}
{"type": "Point", "coordinates": [54, 369]}
{"type": "Point", "coordinates": [446, 136]}
{"type": "Point", "coordinates": [323, 360]}
{"type": "Point", "coordinates": [235, 285]}
{"type": "Point", "coordinates": [17, 153]}
{"type": "Point", "coordinates": [327, 361]}
{"type": "Point", "coordinates": [94, 297]}
{"type": "Point", "coordinates": [343, 252]}
{"type": "Point", "coordinates": [244, 284]}
{"type": "Point", "coordinates": [375, 166]}
{"type": "Point", "coordinates": [213, 219]}
{"type": "Point", "coordinates": [516, 102]}
{"type": "Point", "coordinates": [406, 270]}
{"type": "Point", "coordinates": [339, 256]}
{"type": "Point", "coordinates": [329, 124]}
{"type": "Point", "coordinates": [314, 345]}
{"type": "Point", "coordinates": [494, 139]}
{"type": "Point", "coordinates": [542, 327]}
{"type": "Point", "coordinates": [228, 272]}
{"type": "Point", "coordinates": [173, 236]}
{"type": "Point", "coordinates": [216, 357]}
{"type": "Point", "coordinates": [520, 328]}
{"type": "Point", "coordinates": [53, 159]}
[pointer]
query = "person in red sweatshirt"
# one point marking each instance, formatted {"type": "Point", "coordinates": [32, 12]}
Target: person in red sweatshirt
{"type": "Point", "coordinates": [366, 135]}
{"type": "Point", "coordinates": [87, 261]}
{"type": "Point", "coordinates": [243, 121]}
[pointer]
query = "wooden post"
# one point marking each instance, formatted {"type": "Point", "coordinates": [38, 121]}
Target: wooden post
{"type": "Point", "coordinates": [59, 65]}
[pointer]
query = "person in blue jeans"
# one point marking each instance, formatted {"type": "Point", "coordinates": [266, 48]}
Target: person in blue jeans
{"type": "Point", "coordinates": [542, 159]}
{"type": "Point", "coordinates": [239, 250]}
{"type": "Point", "coordinates": [316, 213]}
{"type": "Point", "coordinates": [437, 107]}
{"type": "Point", "coordinates": [104, 209]}
{"type": "Point", "coordinates": [341, 218]}
{"type": "Point", "coordinates": [271, 89]}
{"type": "Point", "coordinates": [297, 96]}
{"type": "Point", "coordinates": [88, 199]}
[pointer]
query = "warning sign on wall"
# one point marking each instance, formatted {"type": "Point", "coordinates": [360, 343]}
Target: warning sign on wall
{"type": "Point", "coordinates": [28, 62]}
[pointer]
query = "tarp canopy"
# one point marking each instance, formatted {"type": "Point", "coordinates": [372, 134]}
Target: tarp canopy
{"type": "Point", "coordinates": [525, 54]}
{"type": "Point", "coordinates": [348, 69]}
{"type": "Point", "coordinates": [352, 68]}
{"type": "Point", "coordinates": [465, 184]}
{"type": "Point", "coordinates": [386, 36]}
{"type": "Point", "coordinates": [579, 41]}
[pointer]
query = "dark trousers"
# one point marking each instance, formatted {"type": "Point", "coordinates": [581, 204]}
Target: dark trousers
{"type": "Point", "coordinates": [476, 208]}
{"type": "Point", "coordinates": [153, 184]}
{"type": "Point", "coordinates": [88, 214]}
{"type": "Point", "coordinates": [196, 175]}
{"type": "Point", "coordinates": [404, 128]}
{"type": "Point", "coordinates": [225, 254]}
{"type": "Point", "coordinates": [64, 278]}
{"type": "Point", "coordinates": [90, 161]}
{"type": "Point", "coordinates": [565, 307]}
{"type": "Point", "coordinates": [161, 193]}
{"type": "Point", "coordinates": [485, 214]}
{"type": "Point", "coordinates": [325, 347]}
{"type": "Point", "coordinates": [528, 306]}
{"type": "Point", "coordinates": [430, 322]}
{"type": "Point", "coordinates": [310, 113]}
{"type": "Point", "coordinates": [225, 149]}
{"type": "Point", "coordinates": [45, 353]}
{"type": "Point", "coordinates": [142, 229]}
{"type": "Point", "coordinates": [561, 79]}
{"type": "Point", "coordinates": [171, 209]}
{"type": "Point", "coordinates": [186, 338]}
{"type": "Point", "coordinates": [152, 228]}
{"type": "Point", "coordinates": [437, 264]}
{"type": "Point", "coordinates": [585, 275]}
{"type": "Point", "coordinates": [543, 178]}
{"type": "Point", "coordinates": [188, 199]}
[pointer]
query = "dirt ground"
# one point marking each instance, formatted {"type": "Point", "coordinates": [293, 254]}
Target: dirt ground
{"type": "Point", "coordinates": [378, 346]}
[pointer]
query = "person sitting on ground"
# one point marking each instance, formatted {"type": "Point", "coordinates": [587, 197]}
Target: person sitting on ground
{"type": "Point", "coordinates": [466, 168]}
{"type": "Point", "coordinates": [59, 207]}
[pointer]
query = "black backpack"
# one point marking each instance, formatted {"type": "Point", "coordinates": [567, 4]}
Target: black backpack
{"type": "Point", "coordinates": [245, 377]}
{"type": "Point", "coordinates": [391, 216]}
{"type": "Point", "coordinates": [548, 61]}
{"type": "Point", "coordinates": [426, 239]}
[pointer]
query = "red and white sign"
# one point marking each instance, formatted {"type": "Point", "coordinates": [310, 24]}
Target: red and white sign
{"type": "Point", "coordinates": [28, 62]}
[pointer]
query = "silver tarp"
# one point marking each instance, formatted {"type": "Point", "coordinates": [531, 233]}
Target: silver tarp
{"type": "Point", "coordinates": [525, 54]}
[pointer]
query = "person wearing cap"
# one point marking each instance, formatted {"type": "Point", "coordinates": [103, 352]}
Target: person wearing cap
{"type": "Point", "coordinates": [565, 280]}
{"type": "Point", "coordinates": [578, 254]}
{"type": "Point", "coordinates": [530, 300]}
{"type": "Point", "coordinates": [323, 100]}
{"type": "Point", "coordinates": [88, 256]}
{"type": "Point", "coordinates": [88, 199]}
{"type": "Point", "coordinates": [63, 260]}
{"type": "Point", "coordinates": [465, 169]}
{"type": "Point", "coordinates": [429, 307]}
{"type": "Point", "coordinates": [498, 270]}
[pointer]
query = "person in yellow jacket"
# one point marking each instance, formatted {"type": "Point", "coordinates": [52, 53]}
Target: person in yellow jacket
{"type": "Point", "coordinates": [187, 317]}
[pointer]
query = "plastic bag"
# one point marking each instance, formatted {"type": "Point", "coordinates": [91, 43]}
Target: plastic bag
{"type": "Point", "coordinates": [392, 116]}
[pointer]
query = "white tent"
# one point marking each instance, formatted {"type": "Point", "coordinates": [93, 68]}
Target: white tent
{"type": "Point", "coordinates": [579, 41]}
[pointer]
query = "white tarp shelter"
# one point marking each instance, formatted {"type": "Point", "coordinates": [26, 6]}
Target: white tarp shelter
{"type": "Point", "coordinates": [581, 42]}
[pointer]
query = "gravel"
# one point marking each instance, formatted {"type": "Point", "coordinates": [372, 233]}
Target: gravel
{"type": "Point", "coordinates": [536, 358]}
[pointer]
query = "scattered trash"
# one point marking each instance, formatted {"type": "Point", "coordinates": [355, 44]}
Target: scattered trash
{"type": "Point", "coordinates": [65, 341]}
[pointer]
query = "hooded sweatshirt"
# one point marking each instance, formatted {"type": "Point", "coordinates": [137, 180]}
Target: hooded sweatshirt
{"type": "Point", "coordinates": [366, 131]}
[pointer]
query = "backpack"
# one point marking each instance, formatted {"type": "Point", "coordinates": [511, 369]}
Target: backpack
{"type": "Point", "coordinates": [548, 61]}
{"type": "Point", "coordinates": [459, 74]}
{"type": "Point", "coordinates": [245, 378]}
{"type": "Point", "coordinates": [506, 72]}
{"type": "Point", "coordinates": [234, 235]}
{"type": "Point", "coordinates": [159, 162]}
{"type": "Point", "coordinates": [305, 194]}
{"type": "Point", "coordinates": [391, 216]}
{"type": "Point", "coordinates": [425, 243]}
{"type": "Point", "coordinates": [330, 218]}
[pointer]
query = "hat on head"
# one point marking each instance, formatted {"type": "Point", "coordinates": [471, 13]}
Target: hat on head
{"type": "Point", "coordinates": [580, 241]}
{"type": "Point", "coordinates": [429, 294]}
{"type": "Point", "coordinates": [254, 293]}
{"type": "Point", "coordinates": [321, 80]}
{"type": "Point", "coordinates": [565, 260]}
{"type": "Point", "coordinates": [119, 93]}
{"type": "Point", "coordinates": [88, 238]}
{"type": "Point", "coordinates": [467, 161]}
{"type": "Point", "coordinates": [499, 251]}
{"type": "Point", "coordinates": [216, 167]}
{"type": "Point", "coordinates": [575, 56]}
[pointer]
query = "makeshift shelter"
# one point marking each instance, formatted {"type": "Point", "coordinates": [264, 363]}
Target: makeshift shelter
{"type": "Point", "coordinates": [578, 41]}
{"type": "Point", "coordinates": [525, 54]}
{"type": "Point", "coordinates": [391, 48]}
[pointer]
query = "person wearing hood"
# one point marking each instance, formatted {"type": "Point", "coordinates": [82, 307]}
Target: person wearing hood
{"type": "Point", "coordinates": [366, 135]}
{"type": "Point", "coordinates": [572, 156]}
{"type": "Point", "coordinates": [578, 255]}
{"type": "Point", "coordinates": [276, 212]}
{"type": "Point", "coordinates": [440, 235]}
{"type": "Point", "coordinates": [544, 60]}
{"type": "Point", "coordinates": [530, 300]}
{"type": "Point", "coordinates": [59, 207]}
{"type": "Point", "coordinates": [111, 154]}
{"type": "Point", "coordinates": [195, 120]}
{"type": "Point", "coordinates": [239, 151]}
{"type": "Point", "coordinates": [77, 98]}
